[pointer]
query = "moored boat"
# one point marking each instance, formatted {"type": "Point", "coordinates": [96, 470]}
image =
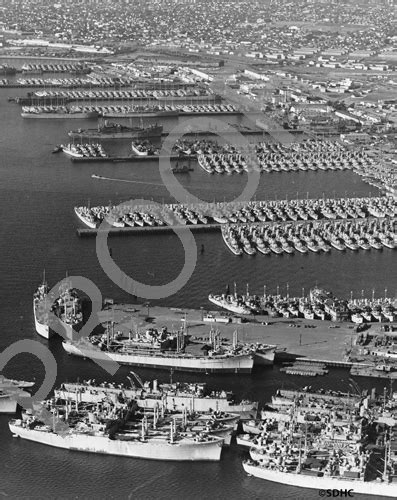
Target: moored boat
{"type": "Point", "coordinates": [194, 397]}
{"type": "Point", "coordinates": [67, 310]}
{"type": "Point", "coordinates": [110, 130]}
{"type": "Point", "coordinates": [219, 361]}
{"type": "Point", "coordinates": [230, 303]}
{"type": "Point", "coordinates": [95, 439]}
{"type": "Point", "coordinates": [320, 482]}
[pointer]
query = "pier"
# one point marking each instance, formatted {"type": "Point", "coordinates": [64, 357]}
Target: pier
{"type": "Point", "coordinates": [245, 223]}
{"type": "Point", "coordinates": [83, 232]}
{"type": "Point", "coordinates": [132, 158]}
{"type": "Point", "coordinates": [320, 343]}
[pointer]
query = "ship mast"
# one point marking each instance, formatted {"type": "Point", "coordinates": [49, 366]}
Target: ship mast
{"type": "Point", "coordinates": [300, 455]}
{"type": "Point", "coordinates": [235, 339]}
{"type": "Point", "coordinates": [386, 461]}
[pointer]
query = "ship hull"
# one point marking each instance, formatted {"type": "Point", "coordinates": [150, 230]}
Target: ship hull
{"type": "Point", "coordinates": [61, 116]}
{"type": "Point", "coordinates": [173, 402]}
{"type": "Point", "coordinates": [41, 328]}
{"type": "Point", "coordinates": [225, 364]}
{"type": "Point", "coordinates": [47, 333]}
{"type": "Point", "coordinates": [129, 134]}
{"type": "Point", "coordinates": [142, 114]}
{"type": "Point", "coordinates": [168, 113]}
{"type": "Point", "coordinates": [154, 449]}
{"type": "Point", "coordinates": [229, 307]}
{"type": "Point", "coordinates": [85, 221]}
{"type": "Point", "coordinates": [71, 153]}
{"type": "Point", "coordinates": [264, 358]}
{"type": "Point", "coordinates": [322, 483]}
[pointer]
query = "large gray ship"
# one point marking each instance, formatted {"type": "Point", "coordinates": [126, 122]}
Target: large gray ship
{"type": "Point", "coordinates": [110, 130]}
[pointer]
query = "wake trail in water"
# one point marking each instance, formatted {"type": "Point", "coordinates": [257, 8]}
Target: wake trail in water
{"type": "Point", "coordinates": [101, 178]}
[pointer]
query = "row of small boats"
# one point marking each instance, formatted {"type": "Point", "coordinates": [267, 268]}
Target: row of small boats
{"type": "Point", "coordinates": [306, 210]}
{"type": "Point", "coordinates": [53, 68]}
{"type": "Point", "coordinates": [319, 304]}
{"type": "Point", "coordinates": [305, 238]}
{"type": "Point", "coordinates": [121, 110]}
{"type": "Point", "coordinates": [119, 94]}
{"type": "Point", "coordinates": [94, 150]}
{"type": "Point", "coordinates": [268, 157]}
{"type": "Point", "coordinates": [257, 212]}
{"type": "Point", "coordinates": [88, 81]}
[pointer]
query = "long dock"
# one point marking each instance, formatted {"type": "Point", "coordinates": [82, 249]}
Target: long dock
{"type": "Point", "coordinates": [214, 226]}
{"type": "Point", "coordinates": [82, 232]}
{"type": "Point", "coordinates": [321, 343]}
{"type": "Point", "coordinates": [132, 158]}
{"type": "Point", "coordinates": [222, 132]}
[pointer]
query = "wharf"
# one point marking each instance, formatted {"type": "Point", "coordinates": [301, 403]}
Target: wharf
{"type": "Point", "coordinates": [132, 158]}
{"type": "Point", "coordinates": [222, 132]}
{"type": "Point", "coordinates": [314, 340]}
{"type": "Point", "coordinates": [86, 231]}
{"type": "Point", "coordinates": [186, 101]}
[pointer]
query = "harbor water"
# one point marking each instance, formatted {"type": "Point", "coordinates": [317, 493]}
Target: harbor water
{"type": "Point", "coordinates": [37, 195]}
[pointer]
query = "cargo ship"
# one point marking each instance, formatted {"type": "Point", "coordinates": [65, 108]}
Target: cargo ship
{"type": "Point", "coordinates": [163, 350]}
{"type": "Point", "coordinates": [214, 362]}
{"type": "Point", "coordinates": [67, 309]}
{"type": "Point", "coordinates": [109, 130]}
{"type": "Point", "coordinates": [94, 438]}
{"type": "Point", "coordinates": [320, 482]}
{"type": "Point", "coordinates": [144, 112]}
{"type": "Point", "coordinates": [40, 310]}
{"type": "Point", "coordinates": [173, 396]}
